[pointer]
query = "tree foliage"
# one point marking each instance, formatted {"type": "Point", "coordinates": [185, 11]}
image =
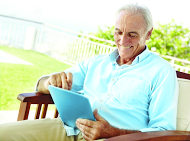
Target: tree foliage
{"type": "Point", "coordinates": [167, 39]}
{"type": "Point", "coordinates": [171, 39]}
{"type": "Point", "coordinates": [107, 34]}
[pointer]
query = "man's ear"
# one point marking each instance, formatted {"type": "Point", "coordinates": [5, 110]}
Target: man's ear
{"type": "Point", "coordinates": [148, 35]}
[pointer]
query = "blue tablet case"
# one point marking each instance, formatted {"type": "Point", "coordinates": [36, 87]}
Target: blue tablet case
{"type": "Point", "coordinates": [71, 106]}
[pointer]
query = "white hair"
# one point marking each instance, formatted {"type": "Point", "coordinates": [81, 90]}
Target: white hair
{"type": "Point", "coordinates": [136, 9]}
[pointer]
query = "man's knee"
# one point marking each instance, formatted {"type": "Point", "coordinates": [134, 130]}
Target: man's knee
{"type": "Point", "coordinates": [8, 131]}
{"type": "Point", "coordinates": [30, 130]}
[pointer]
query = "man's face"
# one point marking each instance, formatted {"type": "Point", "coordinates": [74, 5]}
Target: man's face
{"type": "Point", "coordinates": [130, 36]}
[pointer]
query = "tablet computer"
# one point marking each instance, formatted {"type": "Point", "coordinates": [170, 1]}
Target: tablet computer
{"type": "Point", "coordinates": [71, 105]}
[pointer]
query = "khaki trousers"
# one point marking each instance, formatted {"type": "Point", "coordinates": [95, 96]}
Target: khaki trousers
{"type": "Point", "coordinates": [36, 130]}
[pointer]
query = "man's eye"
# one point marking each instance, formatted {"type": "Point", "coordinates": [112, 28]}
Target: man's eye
{"type": "Point", "coordinates": [133, 35]}
{"type": "Point", "coordinates": [118, 32]}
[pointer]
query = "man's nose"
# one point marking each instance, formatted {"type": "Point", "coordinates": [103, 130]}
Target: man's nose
{"type": "Point", "coordinates": [124, 40]}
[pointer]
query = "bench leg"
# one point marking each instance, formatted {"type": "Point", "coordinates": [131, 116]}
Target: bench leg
{"type": "Point", "coordinates": [38, 110]}
{"type": "Point", "coordinates": [44, 110]}
{"type": "Point", "coordinates": [23, 111]}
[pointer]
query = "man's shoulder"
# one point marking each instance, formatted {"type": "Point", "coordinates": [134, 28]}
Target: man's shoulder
{"type": "Point", "coordinates": [159, 65]}
{"type": "Point", "coordinates": [159, 61]}
{"type": "Point", "coordinates": [155, 68]}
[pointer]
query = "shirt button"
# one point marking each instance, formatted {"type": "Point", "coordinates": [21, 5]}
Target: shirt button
{"type": "Point", "coordinates": [113, 79]}
{"type": "Point", "coordinates": [109, 94]}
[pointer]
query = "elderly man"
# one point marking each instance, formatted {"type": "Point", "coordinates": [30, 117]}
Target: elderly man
{"type": "Point", "coordinates": [130, 90]}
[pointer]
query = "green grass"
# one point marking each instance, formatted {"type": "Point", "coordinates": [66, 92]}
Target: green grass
{"type": "Point", "coordinates": [19, 78]}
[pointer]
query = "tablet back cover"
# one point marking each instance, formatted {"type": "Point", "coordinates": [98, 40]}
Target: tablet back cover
{"type": "Point", "coordinates": [71, 106]}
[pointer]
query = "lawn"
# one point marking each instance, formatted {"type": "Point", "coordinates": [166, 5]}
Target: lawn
{"type": "Point", "coordinates": [19, 78]}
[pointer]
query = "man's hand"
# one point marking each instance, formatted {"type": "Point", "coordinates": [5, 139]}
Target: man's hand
{"type": "Point", "coordinates": [93, 130]}
{"type": "Point", "coordinates": [61, 80]}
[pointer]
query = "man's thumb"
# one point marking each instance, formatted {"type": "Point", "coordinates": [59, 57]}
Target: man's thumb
{"type": "Point", "coordinates": [97, 116]}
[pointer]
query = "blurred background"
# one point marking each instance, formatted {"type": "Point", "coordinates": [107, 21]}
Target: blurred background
{"type": "Point", "coordinates": [87, 15]}
{"type": "Point", "coordinates": [38, 37]}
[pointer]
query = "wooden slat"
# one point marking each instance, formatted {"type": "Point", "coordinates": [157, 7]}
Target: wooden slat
{"type": "Point", "coordinates": [56, 113]}
{"type": "Point", "coordinates": [44, 110]}
{"type": "Point", "coordinates": [38, 110]}
{"type": "Point", "coordinates": [24, 111]}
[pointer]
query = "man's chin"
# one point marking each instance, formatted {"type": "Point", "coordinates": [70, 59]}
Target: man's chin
{"type": "Point", "coordinates": [125, 56]}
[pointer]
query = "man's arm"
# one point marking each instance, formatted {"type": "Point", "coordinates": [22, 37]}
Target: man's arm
{"type": "Point", "coordinates": [163, 101]}
{"type": "Point", "coordinates": [60, 80]}
{"type": "Point", "coordinates": [100, 128]}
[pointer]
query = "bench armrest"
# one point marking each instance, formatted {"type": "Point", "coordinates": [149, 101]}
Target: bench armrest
{"type": "Point", "coordinates": [169, 135]}
{"type": "Point", "coordinates": [34, 98]}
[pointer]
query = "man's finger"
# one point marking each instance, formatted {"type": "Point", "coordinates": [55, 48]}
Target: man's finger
{"type": "Point", "coordinates": [59, 81]}
{"type": "Point", "coordinates": [64, 80]}
{"type": "Point", "coordinates": [52, 80]}
{"type": "Point", "coordinates": [87, 137]}
{"type": "Point", "coordinates": [86, 130]}
{"type": "Point", "coordinates": [85, 122]}
{"type": "Point", "coordinates": [69, 80]}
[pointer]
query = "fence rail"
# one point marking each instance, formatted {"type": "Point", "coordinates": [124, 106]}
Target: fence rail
{"type": "Point", "coordinates": [59, 43]}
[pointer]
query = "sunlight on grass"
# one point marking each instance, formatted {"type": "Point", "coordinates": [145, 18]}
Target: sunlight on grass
{"type": "Point", "coordinates": [18, 78]}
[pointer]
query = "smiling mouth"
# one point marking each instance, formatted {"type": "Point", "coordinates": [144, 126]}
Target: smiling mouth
{"type": "Point", "coordinates": [127, 47]}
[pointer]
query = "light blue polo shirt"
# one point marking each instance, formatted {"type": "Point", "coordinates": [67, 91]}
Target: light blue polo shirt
{"type": "Point", "coordinates": [141, 96]}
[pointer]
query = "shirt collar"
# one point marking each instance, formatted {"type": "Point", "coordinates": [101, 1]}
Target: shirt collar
{"type": "Point", "coordinates": [115, 54]}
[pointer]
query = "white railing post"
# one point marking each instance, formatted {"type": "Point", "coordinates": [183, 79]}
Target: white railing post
{"type": "Point", "coordinates": [40, 40]}
{"type": "Point", "coordinates": [30, 38]}
{"type": "Point", "coordinates": [172, 61]}
{"type": "Point", "coordinates": [9, 32]}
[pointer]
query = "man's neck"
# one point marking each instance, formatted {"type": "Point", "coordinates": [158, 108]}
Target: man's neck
{"type": "Point", "coordinates": [129, 61]}
{"type": "Point", "coordinates": [125, 61]}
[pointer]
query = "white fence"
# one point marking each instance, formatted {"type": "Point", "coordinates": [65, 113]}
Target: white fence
{"type": "Point", "coordinates": [173, 60]}
{"type": "Point", "coordinates": [61, 44]}
{"type": "Point", "coordinates": [65, 47]}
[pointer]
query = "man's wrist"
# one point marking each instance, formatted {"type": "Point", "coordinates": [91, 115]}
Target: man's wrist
{"type": "Point", "coordinates": [41, 85]}
{"type": "Point", "coordinates": [118, 132]}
